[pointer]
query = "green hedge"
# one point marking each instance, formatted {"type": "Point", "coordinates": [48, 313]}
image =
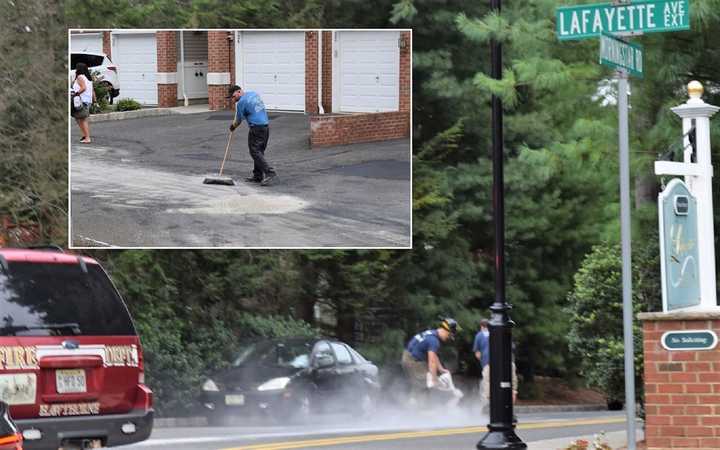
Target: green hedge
{"type": "Point", "coordinates": [595, 308]}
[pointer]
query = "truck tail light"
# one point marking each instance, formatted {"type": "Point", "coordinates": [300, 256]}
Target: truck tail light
{"type": "Point", "coordinates": [143, 399]}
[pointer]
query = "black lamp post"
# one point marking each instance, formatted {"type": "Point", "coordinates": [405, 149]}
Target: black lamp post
{"type": "Point", "coordinates": [501, 430]}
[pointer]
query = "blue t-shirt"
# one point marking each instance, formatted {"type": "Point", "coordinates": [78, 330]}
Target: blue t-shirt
{"type": "Point", "coordinates": [251, 108]}
{"type": "Point", "coordinates": [482, 345]}
{"type": "Point", "coordinates": [422, 343]}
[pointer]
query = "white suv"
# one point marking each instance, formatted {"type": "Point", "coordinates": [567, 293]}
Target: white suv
{"type": "Point", "coordinates": [100, 63]}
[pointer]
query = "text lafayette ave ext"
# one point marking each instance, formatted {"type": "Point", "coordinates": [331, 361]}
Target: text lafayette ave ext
{"type": "Point", "coordinates": [586, 21]}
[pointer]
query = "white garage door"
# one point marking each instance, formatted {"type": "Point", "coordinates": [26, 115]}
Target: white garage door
{"type": "Point", "coordinates": [273, 65]}
{"type": "Point", "coordinates": [368, 74]}
{"type": "Point", "coordinates": [86, 43]}
{"type": "Point", "coordinates": [136, 58]}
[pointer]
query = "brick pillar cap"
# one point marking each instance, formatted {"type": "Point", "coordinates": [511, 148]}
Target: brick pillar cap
{"type": "Point", "coordinates": [680, 315]}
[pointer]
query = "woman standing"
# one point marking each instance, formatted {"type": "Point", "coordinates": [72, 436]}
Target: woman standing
{"type": "Point", "coordinates": [83, 88]}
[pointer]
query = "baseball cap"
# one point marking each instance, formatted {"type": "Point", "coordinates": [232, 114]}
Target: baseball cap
{"type": "Point", "coordinates": [232, 89]}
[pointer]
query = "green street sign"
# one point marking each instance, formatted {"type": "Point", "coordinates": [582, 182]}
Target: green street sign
{"type": "Point", "coordinates": [689, 340]}
{"type": "Point", "coordinates": [619, 54]}
{"type": "Point", "coordinates": [646, 16]}
{"type": "Point", "coordinates": [679, 258]}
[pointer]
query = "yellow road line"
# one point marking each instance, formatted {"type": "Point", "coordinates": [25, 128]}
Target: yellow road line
{"type": "Point", "coordinates": [419, 434]}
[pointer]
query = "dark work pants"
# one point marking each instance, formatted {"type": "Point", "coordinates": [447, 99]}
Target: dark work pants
{"type": "Point", "coordinates": [257, 142]}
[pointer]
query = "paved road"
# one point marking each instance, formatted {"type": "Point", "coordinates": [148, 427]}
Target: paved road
{"type": "Point", "coordinates": [429, 432]}
{"type": "Point", "coordinates": [139, 184]}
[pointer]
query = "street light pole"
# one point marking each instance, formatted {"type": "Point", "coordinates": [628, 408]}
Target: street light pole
{"type": "Point", "coordinates": [501, 430]}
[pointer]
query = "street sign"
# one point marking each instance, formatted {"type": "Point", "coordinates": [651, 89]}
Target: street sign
{"type": "Point", "coordinates": [646, 16]}
{"type": "Point", "coordinates": [689, 340]}
{"type": "Point", "coordinates": [619, 54]}
{"type": "Point", "coordinates": [679, 259]}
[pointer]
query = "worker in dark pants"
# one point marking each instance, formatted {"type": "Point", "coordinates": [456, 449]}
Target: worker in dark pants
{"type": "Point", "coordinates": [420, 360]}
{"type": "Point", "coordinates": [250, 107]}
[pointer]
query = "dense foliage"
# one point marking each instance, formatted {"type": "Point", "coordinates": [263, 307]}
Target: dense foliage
{"type": "Point", "coordinates": [595, 308]}
{"type": "Point", "coordinates": [193, 307]}
{"type": "Point", "coordinates": [33, 124]}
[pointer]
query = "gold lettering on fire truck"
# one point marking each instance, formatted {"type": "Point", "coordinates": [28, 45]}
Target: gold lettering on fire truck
{"type": "Point", "coordinates": [69, 409]}
{"type": "Point", "coordinates": [121, 355]}
{"type": "Point", "coordinates": [18, 358]}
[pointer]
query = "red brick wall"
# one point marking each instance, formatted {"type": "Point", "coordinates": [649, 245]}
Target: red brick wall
{"type": "Point", "coordinates": [328, 130]}
{"type": "Point", "coordinates": [220, 52]}
{"type": "Point", "coordinates": [216, 97]}
{"type": "Point", "coordinates": [682, 388]}
{"type": "Point", "coordinates": [327, 71]}
{"type": "Point", "coordinates": [166, 51]}
{"type": "Point", "coordinates": [405, 71]}
{"type": "Point", "coordinates": [107, 48]}
{"type": "Point", "coordinates": [311, 71]}
{"type": "Point", "coordinates": [167, 63]}
{"type": "Point", "coordinates": [167, 95]}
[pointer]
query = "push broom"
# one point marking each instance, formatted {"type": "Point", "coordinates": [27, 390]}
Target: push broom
{"type": "Point", "coordinates": [220, 179]}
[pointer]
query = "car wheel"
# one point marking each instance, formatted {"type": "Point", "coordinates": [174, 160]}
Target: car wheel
{"type": "Point", "coordinates": [298, 412]}
{"type": "Point", "coordinates": [303, 408]}
{"type": "Point", "coordinates": [367, 403]}
{"type": "Point", "coordinates": [218, 419]}
{"type": "Point", "coordinates": [108, 94]}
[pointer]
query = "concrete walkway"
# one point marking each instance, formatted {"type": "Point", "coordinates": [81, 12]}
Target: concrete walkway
{"type": "Point", "coordinates": [149, 112]}
{"type": "Point", "coordinates": [615, 440]}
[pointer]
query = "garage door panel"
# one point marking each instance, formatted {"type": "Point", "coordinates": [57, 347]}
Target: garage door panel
{"type": "Point", "coordinates": [86, 43]}
{"type": "Point", "coordinates": [273, 65]}
{"type": "Point", "coordinates": [256, 57]}
{"type": "Point", "coordinates": [136, 58]}
{"type": "Point", "coordinates": [369, 71]}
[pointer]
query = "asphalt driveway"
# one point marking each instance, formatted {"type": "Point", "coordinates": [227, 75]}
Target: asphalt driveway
{"type": "Point", "coordinates": [139, 184]}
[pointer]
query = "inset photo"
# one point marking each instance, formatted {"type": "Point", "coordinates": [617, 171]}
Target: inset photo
{"type": "Point", "coordinates": [240, 138]}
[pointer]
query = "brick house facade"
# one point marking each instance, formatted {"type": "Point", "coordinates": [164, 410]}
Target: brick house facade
{"type": "Point", "coordinates": [339, 129]}
{"type": "Point", "coordinates": [328, 127]}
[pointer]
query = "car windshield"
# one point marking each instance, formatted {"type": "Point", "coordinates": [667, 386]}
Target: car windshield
{"type": "Point", "coordinates": [90, 60]}
{"type": "Point", "coordinates": [60, 300]}
{"type": "Point", "coordinates": [290, 354]}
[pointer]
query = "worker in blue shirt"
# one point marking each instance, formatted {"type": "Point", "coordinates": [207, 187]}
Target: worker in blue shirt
{"type": "Point", "coordinates": [420, 357]}
{"type": "Point", "coordinates": [481, 349]}
{"type": "Point", "coordinates": [250, 107]}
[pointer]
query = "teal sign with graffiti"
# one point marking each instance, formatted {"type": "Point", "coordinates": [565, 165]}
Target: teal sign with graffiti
{"type": "Point", "coordinates": [678, 247]}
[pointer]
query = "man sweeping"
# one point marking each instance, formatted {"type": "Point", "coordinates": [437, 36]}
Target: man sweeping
{"type": "Point", "coordinates": [250, 107]}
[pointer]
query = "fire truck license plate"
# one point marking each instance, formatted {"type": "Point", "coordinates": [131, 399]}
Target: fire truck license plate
{"type": "Point", "coordinates": [70, 381]}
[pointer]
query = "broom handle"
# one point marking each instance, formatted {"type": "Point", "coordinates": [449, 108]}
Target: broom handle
{"type": "Point", "coordinates": [227, 149]}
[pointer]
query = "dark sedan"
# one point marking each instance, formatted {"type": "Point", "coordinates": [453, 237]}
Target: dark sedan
{"type": "Point", "coordinates": [10, 438]}
{"type": "Point", "coordinates": [290, 379]}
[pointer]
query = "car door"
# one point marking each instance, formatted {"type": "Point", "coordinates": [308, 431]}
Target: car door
{"type": "Point", "coordinates": [363, 367]}
{"type": "Point", "coordinates": [324, 377]}
{"type": "Point", "coordinates": [349, 381]}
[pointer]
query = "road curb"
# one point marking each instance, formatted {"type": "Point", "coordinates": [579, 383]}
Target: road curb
{"type": "Point", "coordinates": [526, 409]}
{"type": "Point", "coordinates": [172, 422]}
{"type": "Point", "coordinates": [122, 115]}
